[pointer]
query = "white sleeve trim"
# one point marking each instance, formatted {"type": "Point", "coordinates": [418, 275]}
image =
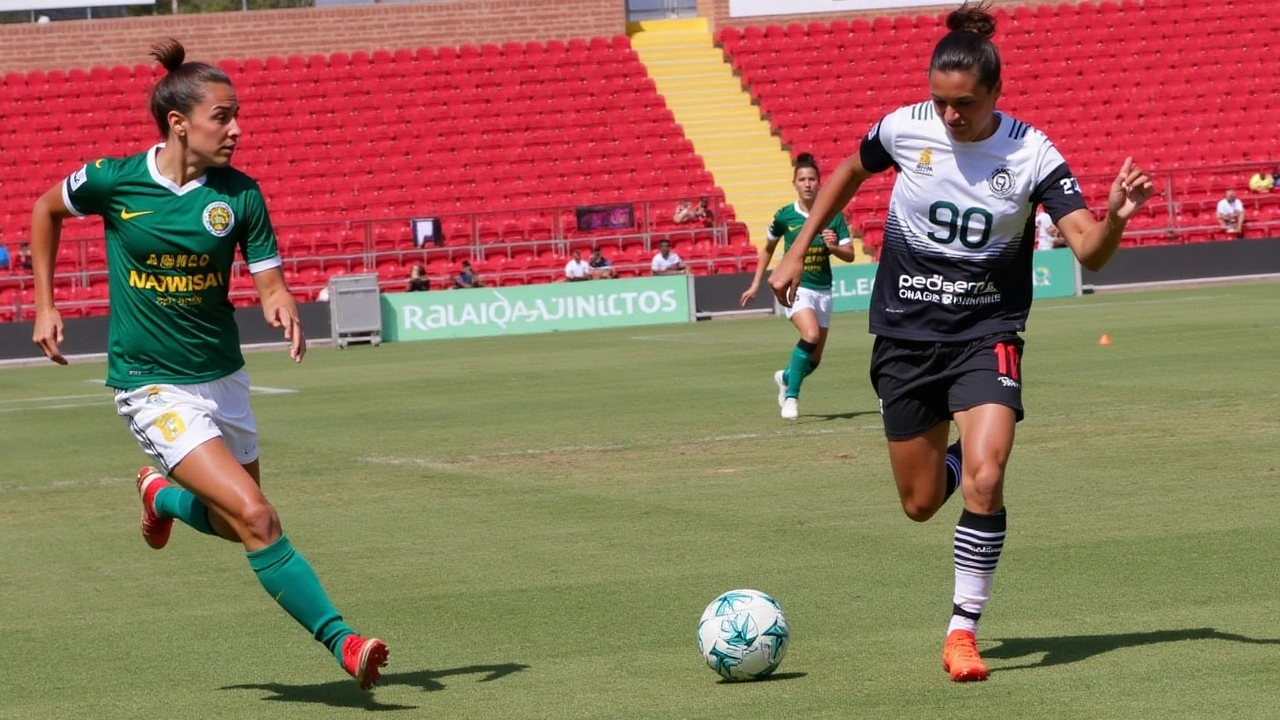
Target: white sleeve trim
{"type": "Point", "coordinates": [66, 200]}
{"type": "Point", "coordinates": [271, 262]}
{"type": "Point", "coordinates": [845, 241]}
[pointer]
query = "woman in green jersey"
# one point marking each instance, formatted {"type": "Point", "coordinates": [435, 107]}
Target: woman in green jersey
{"type": "Point", "coordinates": [174, 218]}
{"type": "Point", "coordinates": [811, 313]}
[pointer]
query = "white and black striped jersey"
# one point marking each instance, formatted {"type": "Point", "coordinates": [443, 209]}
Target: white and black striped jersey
{"type": "Point", "coordinates": [958, 240]}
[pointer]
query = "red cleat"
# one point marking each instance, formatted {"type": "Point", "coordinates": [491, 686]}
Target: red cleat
{"type": "Point", "coordinates": [363, 659]}
{"type": "Point", "coordinates": [960, 657]}
{"type": "Point", "coordinates": [155, 529]}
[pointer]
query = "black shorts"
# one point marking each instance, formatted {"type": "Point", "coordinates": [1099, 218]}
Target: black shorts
{"type": "Point", "coordinates": [921, 384]}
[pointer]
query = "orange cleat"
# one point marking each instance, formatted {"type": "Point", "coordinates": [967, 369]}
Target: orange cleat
{"type": "Point", "coordinates": [363, 659]}
{"type": "Point", "coordinates": [960, 658]}
{"type": "Point", "coordinates": [155, 529]}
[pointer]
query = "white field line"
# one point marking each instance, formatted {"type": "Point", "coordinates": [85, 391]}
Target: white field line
{"type": "Point", "coordinates": [96, 399]}
{"type": "Point", "coordinates": [48, 398]}
{"type": "Point", "coordinates": [452, 464]}
{"type": "Point", "coordinates": [95, 357]}
{"type": "Point", "coordinates": [448, 463]}
{"type": "Point", "coordinates": [1165, 301]}
{"type": "Point", "coordinates": [689, 339]}
{"type": "Point", "coordinates": [72, 484]}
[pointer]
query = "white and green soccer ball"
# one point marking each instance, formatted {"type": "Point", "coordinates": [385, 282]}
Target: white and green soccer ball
{"type": "Point", "coordinates": [743, 635]}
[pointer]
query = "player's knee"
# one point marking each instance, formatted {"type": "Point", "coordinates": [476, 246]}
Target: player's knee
{"type": "Point", "coordinates": [918, 511]}
{"type": "Point", "coordinates": [986, 480]}
{"type": "Point", "coordinates": [810, 338]}
{"type": "Point", "coordinates": [257, 520]}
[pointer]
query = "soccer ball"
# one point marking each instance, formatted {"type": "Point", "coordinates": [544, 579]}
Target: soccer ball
{"type": "Point", "coordinates": [743, 635]}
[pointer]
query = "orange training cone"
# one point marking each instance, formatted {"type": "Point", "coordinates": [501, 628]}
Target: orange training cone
{"type": "Point", "coordinates": [1105, 339]}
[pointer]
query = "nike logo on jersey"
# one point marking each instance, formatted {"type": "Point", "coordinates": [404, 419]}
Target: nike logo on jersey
{"type": "Point", "coordinates": [126, 215]}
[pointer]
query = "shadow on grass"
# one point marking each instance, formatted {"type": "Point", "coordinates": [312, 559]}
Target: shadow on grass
{"type": "Point", "coordinates": [345, 693]}
{"type": "Point", "coordinates": [838, 416]}
{"type": "Point", "coordinates": [769, 678]}
{"type": "Point", "coordinates": [1074, 648]}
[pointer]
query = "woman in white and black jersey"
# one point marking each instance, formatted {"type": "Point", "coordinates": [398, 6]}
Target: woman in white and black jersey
{"type": "Point", "coordinates": [953, 291]}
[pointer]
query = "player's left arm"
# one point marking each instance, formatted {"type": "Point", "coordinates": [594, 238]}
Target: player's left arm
{"type": "Point", "coordinates": [1094, 241]}
{"type": "Point", "coordinates": [839, 240]}
{"type": "Point", "coordinates": [262, 255]}
{"type": "Point", "coordinates": [280, 309]}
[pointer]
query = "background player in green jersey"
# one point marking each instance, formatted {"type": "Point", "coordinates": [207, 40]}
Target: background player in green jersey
{"type": "Point", "coordinates": [811, 312]}
{"type": "Point", "coordinates": [174, 217]}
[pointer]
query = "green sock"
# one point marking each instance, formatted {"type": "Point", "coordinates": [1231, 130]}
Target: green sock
{"type": "Point", "coordinates": [180, 504]}
{"type": "Point", "coordinates": [288, 578]}
{"type": "Point", "coordinates": [795, 373]}
{"type": "Point", "coordinates": [808, 370]}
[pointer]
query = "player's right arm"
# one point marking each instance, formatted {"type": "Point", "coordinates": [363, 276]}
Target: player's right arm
{"type": "Point", "coordinates": [775, 232]}
{"type": "Point", "coordinates": [874, 155]}
{"type": "Point", "coordinates": [86, 191]}
{"type": "Point", "coordinates": [46, 232]}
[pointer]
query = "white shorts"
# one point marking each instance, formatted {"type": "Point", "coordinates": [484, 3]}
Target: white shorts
{"type": "Point", "coordinates": [819, 301]}
{"type": "Point", "coordinates": [170, 421]}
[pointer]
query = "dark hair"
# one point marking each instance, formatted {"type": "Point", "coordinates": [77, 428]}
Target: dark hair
{"type": "Point", "coordinates": [968, 46]}
{"type": "Point", "coordinates": [183, 87]}
{"type": "Point", "coordinates": [805, 160]}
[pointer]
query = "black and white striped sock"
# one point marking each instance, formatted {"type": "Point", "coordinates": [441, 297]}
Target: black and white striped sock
{"type": "Point", "coordinates": [977, 545]}
{"type": "Point", "coordinates": [953, 460]}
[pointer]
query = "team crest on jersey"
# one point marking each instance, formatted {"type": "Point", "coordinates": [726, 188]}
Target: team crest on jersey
{"type": "Point", "coordinates": [925, 165]}
{"type": "Point", "coordinates": [218, 218]}
{"type": "Point", "coordinates": [1001, 182]}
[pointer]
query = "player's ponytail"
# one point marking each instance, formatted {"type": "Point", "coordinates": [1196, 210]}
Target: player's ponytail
{"type": "Point", "coordinates": [182, 88]}
{"type": "Point", "coordinates": [968, 47]}
{"type": "Point", "coordinates": [805, 160]}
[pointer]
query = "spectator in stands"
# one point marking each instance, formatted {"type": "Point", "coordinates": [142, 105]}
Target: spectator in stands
{"type": "Point", "coordinates": [1046, 231]}
{"type": "Point", "coordinates": [466, 277]}
{"type": "Point", "coordinates": [687, 212]}
{"type": "Point", "coordinates": [418, 281]}
{"type": "Point", "coordinates": [703, 212]}
{"type": "Point", "coordinates": [601, 268]}
{"type": "Point", "coordinates": [1231, 214]}
{"type": "Point", "coordinates": [953, 292]}
{"type": "Point", "coordinates": [811, 313]}
{"type": "Point", "coordinates": [1263, 181]}
{"type": "Point", "coordinates": [23, 261]}
{"type": "Point", "coordinates": [4, 257]}
{"type": "Point", "coordinates": [683, 213]}
{"type": "Point", "coordinates": [666, 262]}
{"type": "Point", "coordinates": [577, 269]}
{"type": "Point", "coordinates": [174, 359]}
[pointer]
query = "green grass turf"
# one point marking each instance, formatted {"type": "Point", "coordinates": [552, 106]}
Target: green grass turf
{"type": "Point", "coordinates": [535, 523]}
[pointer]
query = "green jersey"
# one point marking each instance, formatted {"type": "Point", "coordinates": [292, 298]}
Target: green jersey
{"type": "Point", "coordinates": [817, 260]}
{"type": "Point", "coordinates": [169, 256]}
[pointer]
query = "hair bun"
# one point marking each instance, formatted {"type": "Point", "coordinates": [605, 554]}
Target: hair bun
{"type": "Point", "coordinates": [169, 54]}
{"type": "Point", "coordinates": [973, 17]}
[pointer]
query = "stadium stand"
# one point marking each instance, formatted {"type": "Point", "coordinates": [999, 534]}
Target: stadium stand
{"type": "Point", "coordinates": [500, 142]}
{"type": "Point", "coordinates": [1171, 81]}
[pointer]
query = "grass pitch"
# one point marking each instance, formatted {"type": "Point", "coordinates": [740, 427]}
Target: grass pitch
{"type": "Point", "coordinates": [534, 524]}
